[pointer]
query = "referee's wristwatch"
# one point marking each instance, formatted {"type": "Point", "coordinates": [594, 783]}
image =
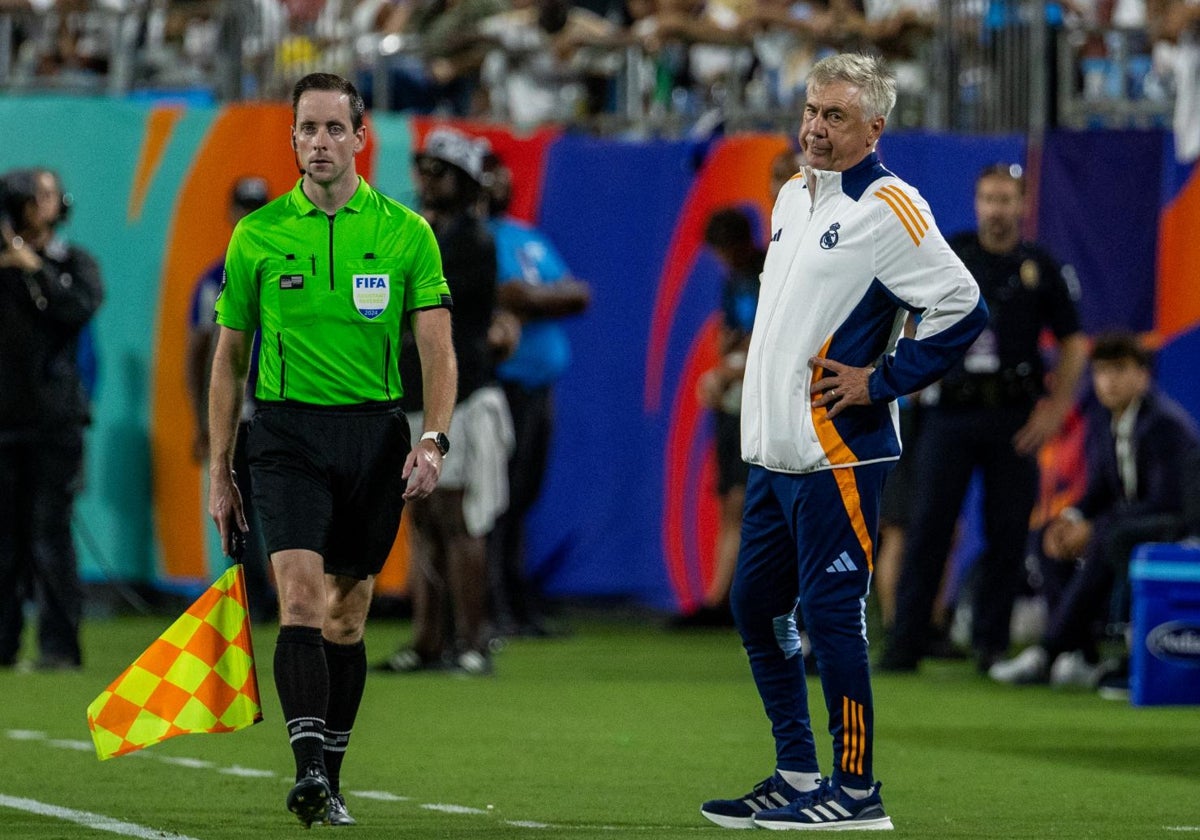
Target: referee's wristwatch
{"type": "Point", "coordinates": [439, 440]}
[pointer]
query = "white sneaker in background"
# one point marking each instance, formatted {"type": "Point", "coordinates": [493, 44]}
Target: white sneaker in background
{"type": "Point", "coordinates": [1028, 620]}
{"type": "Point", "coordinates": [1072, 670]}
{"type": "Point", "coordinates": [1029, 666]}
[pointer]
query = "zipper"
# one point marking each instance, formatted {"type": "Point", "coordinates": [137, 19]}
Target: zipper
{"type": "Point", "coordinates": [766, 329]}
{"type": "Point", "coordinates": [387, 367]}
{"type": "Point", "coordinates": [330, 253]}
{"type": "Point", "coordinates": [282, 367]}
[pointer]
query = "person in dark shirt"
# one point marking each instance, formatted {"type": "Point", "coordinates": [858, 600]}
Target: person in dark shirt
{"type": "Point", "coordinates": [730, 235]}
{"type": "Point", "coordinates": [1139, 447]}
{"type": "Point", "coordinates": [49, 290]}
{"type": "Point", "coordinates": [993, 411]}
{"type": "Point", "coordinates": [448, 565]}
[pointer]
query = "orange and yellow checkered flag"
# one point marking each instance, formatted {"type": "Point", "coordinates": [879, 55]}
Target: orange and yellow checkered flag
{"type": "Point", "coordinates": [198, 676]}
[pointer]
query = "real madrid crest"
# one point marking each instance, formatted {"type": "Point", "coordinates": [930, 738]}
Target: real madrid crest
{"type": "Point", "coordinates": [830, 237]}
{"type": "Point", "coordinates": [1030, 277]}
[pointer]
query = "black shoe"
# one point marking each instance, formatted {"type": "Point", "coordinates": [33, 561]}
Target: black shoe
{"type": "Point", "coordinates": [702, 618]}
{"type": "Point", "coordinates": [309, 798]}
{"type": "Point", "coordinates": [1114, 683]}
{"type": "Point", "coordinates": [985, 659]}
{"type": "Point", "coordinates": [338, 815]}
{"type": "Point", "coordinates": [939, 646]}
{"type": "Point", "coordinates": [408, 661]}
{"type": "Point", "coordinates": [897, 661]}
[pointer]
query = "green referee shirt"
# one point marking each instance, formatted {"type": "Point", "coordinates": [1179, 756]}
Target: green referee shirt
{"type": "Point", "coordinates": [331, 294]}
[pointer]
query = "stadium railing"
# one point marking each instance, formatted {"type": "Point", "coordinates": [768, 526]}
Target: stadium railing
{"type": "Point", "coordinates": [980, 71]}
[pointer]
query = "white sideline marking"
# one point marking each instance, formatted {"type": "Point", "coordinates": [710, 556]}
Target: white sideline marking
{"type": "Point", "coordinates": [381, 795]}
{"type": "Point", "coordinates": [378, 795]}
{"type": "Point", "coordinates": [452, 809]}
{"type": "Point", "coordinates": [1181, 827]}
{"type": "Point", "coordinates": [246, 772]}
{"type": "Point", "coordinates": [194, 763]}
{"type": "Point", "coordinates": [88, 819]}
{"type": "Point", "coordinates": [69, 744]}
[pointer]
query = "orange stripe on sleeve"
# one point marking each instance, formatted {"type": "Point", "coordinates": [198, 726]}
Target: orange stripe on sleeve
{"type": "Point", "coordinates": [904, 200]}
{"type": "Point", "coordinates": [899, 215]}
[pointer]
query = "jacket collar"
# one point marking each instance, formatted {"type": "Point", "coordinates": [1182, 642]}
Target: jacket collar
{"type": "Point", "coordinates": [853, 181]}
{"type": "Point", "coordinates": [304, 205]}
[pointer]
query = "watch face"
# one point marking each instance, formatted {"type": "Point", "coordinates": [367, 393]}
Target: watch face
{"type": "Point", "coordinates": [443, 443]}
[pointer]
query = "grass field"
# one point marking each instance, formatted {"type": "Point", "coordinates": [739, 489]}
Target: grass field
{"type": "Point", "coordinates": [617, 731]}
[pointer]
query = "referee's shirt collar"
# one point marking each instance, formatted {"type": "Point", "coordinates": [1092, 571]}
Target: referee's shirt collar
{"type": "Point", "coordinates": [304, 205]}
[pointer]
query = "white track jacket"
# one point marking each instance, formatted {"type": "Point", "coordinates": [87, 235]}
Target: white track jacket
{"type": "Point", "coordinates": [851, 254]}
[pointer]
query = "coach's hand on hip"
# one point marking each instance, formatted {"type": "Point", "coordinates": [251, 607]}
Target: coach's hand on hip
{"type": "Point", "coordinates": [841, 385]}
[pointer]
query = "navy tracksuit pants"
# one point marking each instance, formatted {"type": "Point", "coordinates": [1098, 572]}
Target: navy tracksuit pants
{"type": "Point", "coordinates": [808, 544]}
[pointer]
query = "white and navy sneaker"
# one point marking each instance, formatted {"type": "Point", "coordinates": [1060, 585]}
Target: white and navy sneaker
{"type": "Point", "coordinates": [829, 809]}
{"type": "Point", "coordinates": [739, 813]}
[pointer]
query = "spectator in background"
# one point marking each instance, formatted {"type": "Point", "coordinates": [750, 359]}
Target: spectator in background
{"type": "Point", "coordinates": [992, 412]}
{"type": "Point", "coordinates": [784, 167]}
{"type": "Point", "coordinates": [543, 59]}
{"type": "Point", "coordinates": [439, 64]}
{"type": "Point", "coordinates": [247, 195]}
{"type": "Point", "coordinates": [697, 44]}
{"type": "Point", "coordinates": [49, 289]}
{"type": "Point", "coordinates": [730, 235]}
{"type": "Point", "coordinates": [1179, 21]}
{"type": "Point", "coordinates": [787, 37]}
{"type": "Point", "coordinates": [1139, 447]}
{"type": "Point", "coordinates": [448, 565]}
{"type": "Point", "coordinates": [537, 286]}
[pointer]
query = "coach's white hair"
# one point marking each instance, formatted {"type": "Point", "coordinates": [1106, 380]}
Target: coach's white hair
{"type": "Point", "coordinates": [868, 73]}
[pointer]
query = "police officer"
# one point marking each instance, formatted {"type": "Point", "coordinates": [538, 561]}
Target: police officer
{"type": "Point", "coordinates": [992, 412]}
{"type": "Point", "coordinates": [49, 290]}
{"type": "Point", "coordinates": [332, 273]}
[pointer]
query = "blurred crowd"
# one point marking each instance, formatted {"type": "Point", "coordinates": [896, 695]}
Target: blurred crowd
{"type": "Point", "coordinates": [534, 61]}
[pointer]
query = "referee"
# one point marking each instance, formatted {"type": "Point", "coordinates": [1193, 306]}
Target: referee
{"type": "Point", "coordinates": [331, 273]}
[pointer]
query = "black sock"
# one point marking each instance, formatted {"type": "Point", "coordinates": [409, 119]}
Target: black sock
{"type": "Point", "coordinates": [302, 681]}
{"type": "Point", "coordinates": [347, 666]}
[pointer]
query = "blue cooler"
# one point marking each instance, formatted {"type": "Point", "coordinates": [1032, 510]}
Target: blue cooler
{"type": "Point", "coordinates": [1164, 666]}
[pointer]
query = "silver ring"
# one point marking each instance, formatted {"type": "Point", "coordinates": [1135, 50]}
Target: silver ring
{"type": "Point", "coordinates": [833, 392]}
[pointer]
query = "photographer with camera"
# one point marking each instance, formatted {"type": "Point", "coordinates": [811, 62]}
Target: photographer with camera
{"type": "Point", "coordinates": [49, 290]}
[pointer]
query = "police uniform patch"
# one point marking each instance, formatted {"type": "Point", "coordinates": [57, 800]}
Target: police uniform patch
{"type": "Point", "coordinates": [1030, 277]}
{"type": "Point", "coordinates": [371, 293]}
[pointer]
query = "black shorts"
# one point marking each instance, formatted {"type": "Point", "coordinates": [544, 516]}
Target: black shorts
{"type": "Point", "coordinates": [732, 471]}
{"type": "Point", "coordinates": [328, 480]}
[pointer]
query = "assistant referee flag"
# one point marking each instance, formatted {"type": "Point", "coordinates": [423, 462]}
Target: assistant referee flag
{"type": "Point", "coordinates": [198, 676]}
